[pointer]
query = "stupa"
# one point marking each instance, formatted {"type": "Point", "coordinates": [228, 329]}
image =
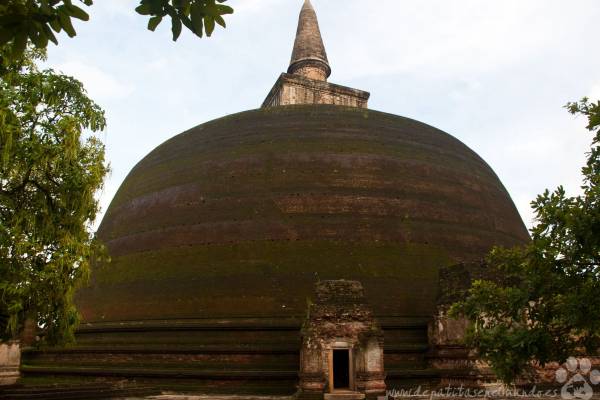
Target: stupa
{"type": "Point", "coordinates": [220, 235]}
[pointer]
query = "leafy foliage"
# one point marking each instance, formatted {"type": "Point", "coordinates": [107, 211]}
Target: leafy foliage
{"type": "Point", "coordinates": [37, 21]}
{"type": "Point", "coordinates": [547, 307]}
{"type": "Point", "coordinates": [50, 171]}
{"type": "Point", "coordinates": [198, 16]}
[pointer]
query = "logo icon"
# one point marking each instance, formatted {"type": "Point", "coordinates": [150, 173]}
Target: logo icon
{"type": "Point", "coordinates": [577, 376]}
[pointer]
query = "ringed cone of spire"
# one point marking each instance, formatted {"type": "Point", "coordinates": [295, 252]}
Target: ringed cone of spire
{"type": "Point", "coordinates": [309, 57]}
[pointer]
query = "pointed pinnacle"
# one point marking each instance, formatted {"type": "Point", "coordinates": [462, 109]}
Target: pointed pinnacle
{"type": "Point", "coordinates": [309, 47]}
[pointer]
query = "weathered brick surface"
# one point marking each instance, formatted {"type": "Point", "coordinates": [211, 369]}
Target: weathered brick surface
{"type": "Point", "coordinates": [341, 318]}
{"type": "Point", "coordinates": [240, 216]}
{"type": "Point", "coordinates": [297, 89]}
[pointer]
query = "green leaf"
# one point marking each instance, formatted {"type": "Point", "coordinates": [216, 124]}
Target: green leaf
{"type": "Point", "coordinates": [55, 24]}
{"type": "Point", "coordinates": [219, 20]}
{"type": "Point", "coordinates": [224, 9]}
{"type": "Point", "coordinates": [65, 23]}
{"type": "Point", "coordinates": [19, 45]}
{"type": "Point", "coordinates": [176, 28]}
{"type": "Point", "coordinates": [78, 13]}
{"type": "Point", "coordinates": [143, 9]}
{"type": "Point", "coordinates": [49, 34]}
{"type": "Point", "coordinates": [154, 22]}
{"type": "Point", "coordinates": [187, 23]}
{"type": "Point", "coordinates": [197, 17]}
{"type": "Point", "coordinates": [209, 25]}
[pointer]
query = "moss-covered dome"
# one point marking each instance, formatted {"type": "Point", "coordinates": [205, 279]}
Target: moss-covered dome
{"type": "Point", "coordinates": [240, 216]}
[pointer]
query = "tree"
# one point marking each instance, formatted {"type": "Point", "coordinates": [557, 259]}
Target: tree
{"type": "Point", "coordinates": [547, 306]}
{"type": "Point", "coordinates": [51, 167]}
{"type": "Point", "coordinates": [51, 162]}
{"type": "Point", "coordinates": [37, 21]}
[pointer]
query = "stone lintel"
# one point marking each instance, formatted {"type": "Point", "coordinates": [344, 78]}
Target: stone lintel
{"type": "Point", "coordinates": [293, 89]}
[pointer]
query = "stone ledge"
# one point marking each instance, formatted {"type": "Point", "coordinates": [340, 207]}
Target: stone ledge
{"type": "Point", "coordinates": [161, 373]}
{"type": "Point", "coordinates": [213, 324]}
{"type": "Point", "coordinates": [207, 397]}
{"type": "Point", "coordinates": [319, 92]}
{"type": "Point", "coordinates": [344, 396]}
{"type": "Point", "coordinates": [163, 349]}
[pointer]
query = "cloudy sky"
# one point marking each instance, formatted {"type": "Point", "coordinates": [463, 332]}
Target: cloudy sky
{"type": "Point", "coordinates": [493, 73]}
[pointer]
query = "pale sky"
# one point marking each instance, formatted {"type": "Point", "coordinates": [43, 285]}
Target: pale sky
{"type": "Point", "coordinates": [493, 73]}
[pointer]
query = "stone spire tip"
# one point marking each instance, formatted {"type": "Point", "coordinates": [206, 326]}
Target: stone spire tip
{"type": "Point", "coordinates": [309, 58]}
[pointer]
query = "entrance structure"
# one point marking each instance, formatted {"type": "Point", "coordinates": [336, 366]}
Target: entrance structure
{"type": "Point", "coordinates": [342, 344]}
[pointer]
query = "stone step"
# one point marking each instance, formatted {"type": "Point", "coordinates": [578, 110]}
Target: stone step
{"type": "Point", "coordinates": [77, 392]}
{"type": "Point", "coordinates": [344, 396]}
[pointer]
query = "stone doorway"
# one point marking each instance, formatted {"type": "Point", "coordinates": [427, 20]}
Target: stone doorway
{"type": "Point", "coordinates": [342, 346]}
{"type": "Point", "coordinates": [341, 373]}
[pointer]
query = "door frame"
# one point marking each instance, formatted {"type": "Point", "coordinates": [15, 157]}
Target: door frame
{"type": "Point", "coordinates": [341, 346]}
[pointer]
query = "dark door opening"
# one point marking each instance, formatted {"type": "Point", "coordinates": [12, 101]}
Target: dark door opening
{"type": "Point", "coordinates": [341, 369]}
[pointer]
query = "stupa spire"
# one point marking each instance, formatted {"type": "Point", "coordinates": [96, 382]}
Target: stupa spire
{"type": "Point", "coordinates": [309, 58]}
{"type": "Point", "coordinates": [306, 79]}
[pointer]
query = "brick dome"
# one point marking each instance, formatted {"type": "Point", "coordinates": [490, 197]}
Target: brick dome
{"type": "Point", "coordinates": [240, 216]}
